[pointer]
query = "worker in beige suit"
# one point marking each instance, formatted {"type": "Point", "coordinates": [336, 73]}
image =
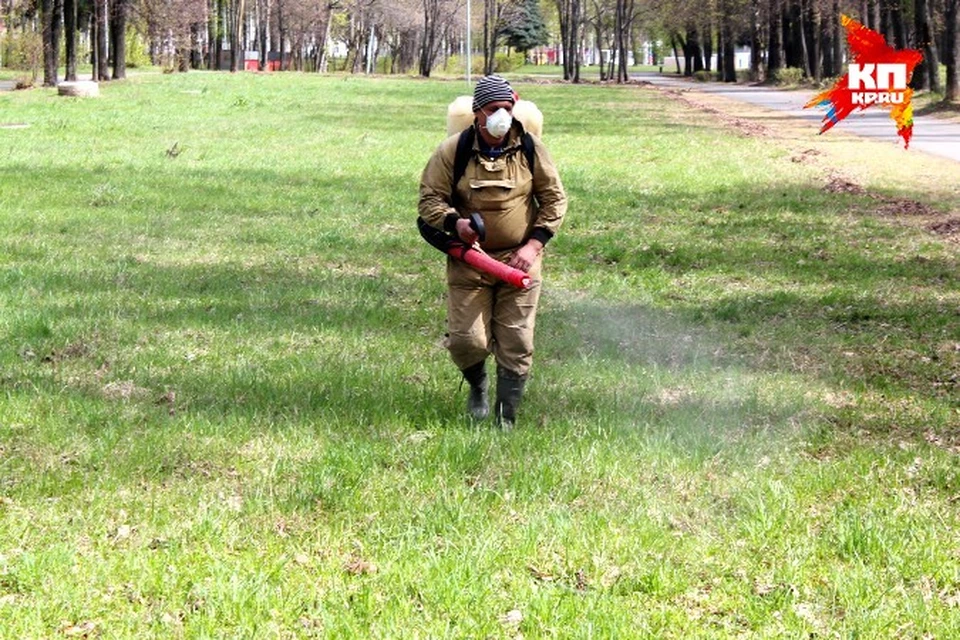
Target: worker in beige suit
{"type": "Point", "coordinates": [521, 210]}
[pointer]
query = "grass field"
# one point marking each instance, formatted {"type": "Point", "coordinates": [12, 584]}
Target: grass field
{"type": "Point", "coordinates": [225, 411]}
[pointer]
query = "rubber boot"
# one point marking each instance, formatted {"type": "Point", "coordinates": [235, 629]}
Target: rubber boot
{"type": "Point", "coordinates": [509, 392]}
{"type": "Point", "coordinates": [478, 404]}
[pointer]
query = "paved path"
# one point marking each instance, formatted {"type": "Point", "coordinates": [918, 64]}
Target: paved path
{"type": "Point", "coordinates": [7, 85]}
{"type": "Point", "coordinates": [930, 134]}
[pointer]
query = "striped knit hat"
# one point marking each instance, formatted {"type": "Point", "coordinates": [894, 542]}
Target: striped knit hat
{"type": "Point", "coordinates": [492, 89]}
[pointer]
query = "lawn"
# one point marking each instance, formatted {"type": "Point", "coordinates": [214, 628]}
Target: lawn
{"type": "Point", "coordinates": [225, 410]}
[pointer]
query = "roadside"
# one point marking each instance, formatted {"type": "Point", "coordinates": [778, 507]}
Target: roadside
{"type": "Point", "coordinates": [862, 156]}
{"type": "Point", "coordinates": [930, 134]}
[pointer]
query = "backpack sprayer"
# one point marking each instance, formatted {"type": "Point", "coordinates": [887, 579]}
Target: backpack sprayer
{"type": "Point", "coordinates": [460, 118]}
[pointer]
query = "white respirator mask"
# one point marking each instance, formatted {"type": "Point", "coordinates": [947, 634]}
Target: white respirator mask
{"type": "Point", "coordinates": [498, 123]}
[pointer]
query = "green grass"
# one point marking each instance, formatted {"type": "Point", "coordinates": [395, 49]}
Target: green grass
{"type": "Point", "coordinates": [226, 411]}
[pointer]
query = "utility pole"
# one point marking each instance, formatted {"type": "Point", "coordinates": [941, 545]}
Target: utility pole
{"type": "Point", "coordinates": [469, 46]}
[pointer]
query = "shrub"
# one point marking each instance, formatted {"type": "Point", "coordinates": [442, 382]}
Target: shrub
{"type": "Point", "coordinates": [23, 51]}
{"type": "Point", "coordinates": [788, 76]}
{"type": "Point", "coordinates": [703, 75]}
{"type": "Point", "coordinates": [137, 53]}
{"type": "Point", "coordinates": [456, 64]}
{"type": "Point", "coordinates": [502, 62]}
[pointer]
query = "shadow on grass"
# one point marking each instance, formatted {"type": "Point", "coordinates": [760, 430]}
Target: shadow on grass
{"type": "Point", "coordinates": [357, 344]}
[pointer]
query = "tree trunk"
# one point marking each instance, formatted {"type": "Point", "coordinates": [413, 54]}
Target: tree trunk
{"type": "Point", "coordinates": [118, 38]}
{"type": "Point", "coordinates": [875, 21]}
{"type": "Point", "coordinates": [952, 50]}
{"type": "Point", "coordinates": [927, 73]}
{"type": "Point", "coordinates": [897, 26]}
{"type": "Point", "coordinates": [775, 52]}
{"type": "Point", "coordinates": [237, 42]}
{"type": "Point", "coordinates": [569, 12]}
{"type": "Point", "coordinates": [431, 10]}
{"type": "Point", "coordinates": [676, 53]}
{"type": "Point", "coordinates": [756, 46]}
{"type": "Point", "coordinates": [70, 37]}
{"type": "Point", "coordinates": [263, 32]}
{"type": "Point", "coordinates": [102, 72]}
{"type": "Point", "coordinates": [729, 51]}
{"type": "Point", "coordinates": [490, 35]}
{"type": "Point", "coordinates": [803, 42]}
{"type": "Point", "coordinates": [816, 29]}
{"type": "Point", "coordinates": [708, 46]}
{"type": "Point", "coordinates": [837, 40]}
{"type": "Point", "coordinates": [322, 64]}
{"type": "Point", "coordinates": [721, 37]}
{"type": "Point", "coordinates": [51, 11]}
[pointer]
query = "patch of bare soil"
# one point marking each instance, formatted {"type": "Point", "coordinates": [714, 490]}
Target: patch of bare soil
{"type": "Point", "coordinates": [839, 184]}
{"type": "Point", "coordinates": [949, 228]}
{"type": "Point", "coordinates": [806, 156]}
{"type": "Point", "coordinates": [743, 126]}
{"type": "Point", "coordinates": [890, 206]}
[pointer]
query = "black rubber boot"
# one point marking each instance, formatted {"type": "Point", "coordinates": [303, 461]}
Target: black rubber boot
{"type": "Point", "coordinates": [509, 392]}
{"type": "Point", "coordinates": [478, 404]}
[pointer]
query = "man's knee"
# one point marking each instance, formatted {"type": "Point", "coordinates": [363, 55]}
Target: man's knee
{"type": "Point", "coordinates": [515, 351]}
{"type": "Point", "coordinates": [466, 347]}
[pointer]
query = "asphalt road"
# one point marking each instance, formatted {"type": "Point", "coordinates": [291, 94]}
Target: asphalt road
{"type": "Point", "coordinates": [930, 134]}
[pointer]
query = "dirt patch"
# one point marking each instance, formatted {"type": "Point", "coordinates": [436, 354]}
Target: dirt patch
{"type": "Point", "coordinates": [838, 184]}
{"type": "Point", "coordinates": [949, 228]}
{"type": "Point", "coordinates": [123, 390]}
{"type": "Point", "coordinates": [741, 125]}
{"type": "Point", "coordinates": [71, 351]}
{"type": "Point", "coordinates": [806, 156]}
{"type": "Point", "coordinates": [905, 207]}
{"type": "Point", "coordinates": [888, 206]}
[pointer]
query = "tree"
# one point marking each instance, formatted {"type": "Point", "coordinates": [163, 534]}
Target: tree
{"type": "Point", "coordinates": [927, 73]}
{"type": "Point", "coordinates": [492, 28]}
{"type": "Point", "coordinates": [524, 27]}
{"type": "Point", "coordinates": [571, 26]}
{"type": "Point", "coordinates": [118, 37]}
{"type": "Point", "coordinates": [70, 33]}
{"type": "Point", "coordinates": [951, 52]}
{"type": "Point", "coordinates": [50, 13]}
{"type": "Point", "coordinates": [438, 20]}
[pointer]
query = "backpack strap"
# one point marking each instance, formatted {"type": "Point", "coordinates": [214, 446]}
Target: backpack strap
{"type": "Point", "coordinates": [527, 141]}
{"type": "Point", "coordinates": [460, 161]}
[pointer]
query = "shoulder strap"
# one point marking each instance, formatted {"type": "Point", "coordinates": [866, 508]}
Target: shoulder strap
{"type": "Point", "coordinates": [460, 161]}
{"type": "Point", "coordinates": [527, 141]}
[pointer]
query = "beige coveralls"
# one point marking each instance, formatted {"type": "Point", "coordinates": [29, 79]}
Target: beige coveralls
{"type": "Point", "coordinates": [483, 314]}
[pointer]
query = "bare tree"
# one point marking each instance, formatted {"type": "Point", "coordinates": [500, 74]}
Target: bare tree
{"type": "Point", "coordinates": [50, 13]}
{"type": "Point", "coordinates": [571, 16]}
{"type": "Point", "coordinates": [927, 73]}
{"type": "Point", "coordinates": [951, 50]}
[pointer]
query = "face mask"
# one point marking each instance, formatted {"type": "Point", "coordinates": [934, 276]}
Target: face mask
{"type": "Point", "coordinates": [499, 123]}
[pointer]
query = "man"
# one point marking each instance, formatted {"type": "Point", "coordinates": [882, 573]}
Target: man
{"type": "Point", "coordinates": [521, 210]}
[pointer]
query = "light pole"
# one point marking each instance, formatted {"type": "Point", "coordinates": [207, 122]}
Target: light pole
{"type": "Point", "coordinates": [469, 48]}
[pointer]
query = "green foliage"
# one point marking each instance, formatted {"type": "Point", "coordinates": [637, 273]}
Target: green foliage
{"type": "Point", "coordinates": [524, 27]}
{"type": "Point", "coordinates": [788, 76]}
{"type": "Point", "coordinates": [456, 64]}
{"type": "Point", "coordinates": [704, 76]}
{"type": "Point", "coordinates": [138, 54]}
{"type": "Point", "coordinates": [23, 51]}
{"type": "Point", "coordinates": [506, 62]}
